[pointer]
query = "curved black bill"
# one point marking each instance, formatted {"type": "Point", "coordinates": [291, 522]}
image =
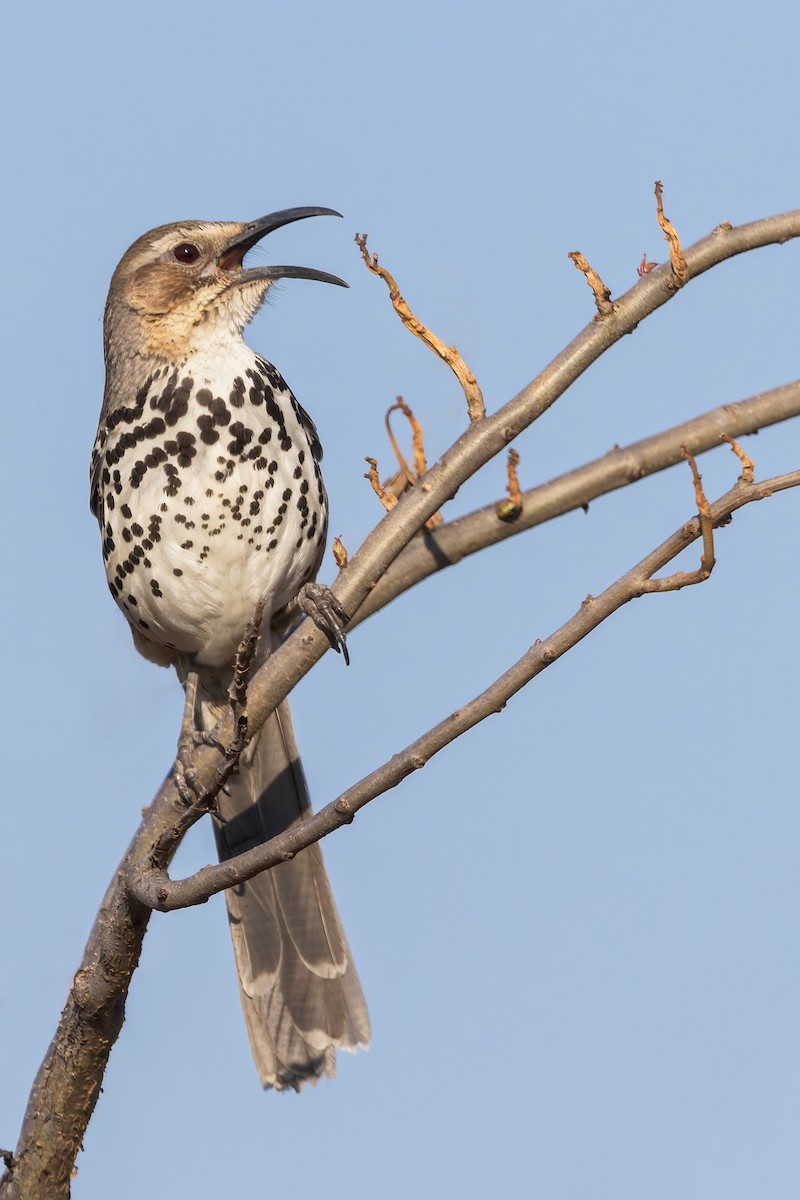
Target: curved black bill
{"type": "Point", "coordinates": [233, 254]}
{"type": "Point", "coordinates": [255, 273]}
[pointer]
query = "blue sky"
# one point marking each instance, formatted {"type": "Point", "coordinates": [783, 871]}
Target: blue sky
{"type": "Point", "coordinates": [577, 928]}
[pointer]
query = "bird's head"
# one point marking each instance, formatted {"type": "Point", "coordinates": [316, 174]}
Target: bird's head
{"type": "Point", "coordinates": [183, 285]}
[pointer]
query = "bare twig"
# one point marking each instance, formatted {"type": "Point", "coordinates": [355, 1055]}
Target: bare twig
{"type": "Point", "coordinates": [154, 887]}
{"type": "Point", "coordinates": [407, 477]}
{"type": "Point", "coordinates": [511, 508]}
{"type": "Point", "coordinates": [602, 294]}
{"type": "Point", "coordinates": [748, 466]}
{"type": "Point", "coordinates": [386, 497]}
{"type": "Point", "coordinates": [707, 559]}
{"type": "Point", "coordinates": [680, 267]}
{"type": "Point", "coordinates": [417, 442]}
{"type": "Point", "coordinates": [682, 579]}
{"type": "Point", "coordinates": [469, 384]}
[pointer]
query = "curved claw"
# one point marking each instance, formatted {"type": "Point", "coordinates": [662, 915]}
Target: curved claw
{"type": "Point", "coordinates": [319, 603]}
{"type": "Point", "coordinates": [206, 737]}
{"type": "Point", "coordinates": [185, 782]}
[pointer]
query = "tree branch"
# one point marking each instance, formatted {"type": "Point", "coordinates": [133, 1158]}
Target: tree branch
{"type": "Point", "coordinates": [623, 465]}
{"type": "Point", "coordinates": [619, 468]}
{"type": "Point", "coordinates": [153, 887]}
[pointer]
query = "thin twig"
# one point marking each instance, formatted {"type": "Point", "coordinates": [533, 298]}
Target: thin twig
{"type": "Point", "coordinates": [682, 579]}
{"type": "Point", "coordinates": [748, 466]}
{"type": "Point", "coordinates": [602, 294]}
{"type": "Point", "coordinates": [680, 267]}
{"type": "Point", "coordinates": [387, 498]}
{"type": "Point", "coordinates": [417, 441]}
{"type": "Point", "coordinates": [407, 476]}
{"type": "Point", "coordinates": [510, 509]}
{"type": "Point", "coordinates": [469, 384]}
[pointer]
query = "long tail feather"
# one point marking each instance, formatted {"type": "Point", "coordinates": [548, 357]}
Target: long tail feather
{"type": "Point", "coordinates": [299, 988]}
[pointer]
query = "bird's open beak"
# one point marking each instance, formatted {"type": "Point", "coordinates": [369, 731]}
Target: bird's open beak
{"type": "Point", "coordinates": [233, 254]}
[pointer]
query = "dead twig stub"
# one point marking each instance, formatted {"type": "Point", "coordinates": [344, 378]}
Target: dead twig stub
{"type": "Point", "coordinates": [390, 491]}
{"type": "Point", "coordinates": [387, 498]}
{"type": "Point", "coordinates": [602, 294]}
{"type": "Point", "coordinates": [681, 579]}
{"type": "Point", "coordinates": [748, 466]}
{"type": "Point", "coordinates": [417, 444]}
{"type": "Point", "coordinates": [469, 384]}
{"type": "Point", "coordinates": [680, 268]}
{"type": "Point", "coordinates": [511, 508]}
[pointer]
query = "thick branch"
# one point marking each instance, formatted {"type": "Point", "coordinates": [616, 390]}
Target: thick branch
{"type": "Point", "coordinates": [154, 887]}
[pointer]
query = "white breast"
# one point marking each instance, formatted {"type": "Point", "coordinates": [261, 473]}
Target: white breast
{"type": "Point", "coordinates": [213, 501]}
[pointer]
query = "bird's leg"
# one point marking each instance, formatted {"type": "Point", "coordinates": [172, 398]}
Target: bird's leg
{"type": "Point", "coordinates": [319, 603]}
{"type": "Point", "coordinates": [183, 773]}
{"type": "Point", "coordinates": [190, 736]}
{"type": "Point", "coordinates": [182, 770]}
{"type": "Point", "coordinates": [237, 692]}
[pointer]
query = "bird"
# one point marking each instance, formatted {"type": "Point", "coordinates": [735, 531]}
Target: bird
{"type": "Point", "coordinates": [205, 480]}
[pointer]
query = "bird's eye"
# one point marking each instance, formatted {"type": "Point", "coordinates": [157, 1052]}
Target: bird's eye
{"type": "Point", "coordinates": [186, 253]}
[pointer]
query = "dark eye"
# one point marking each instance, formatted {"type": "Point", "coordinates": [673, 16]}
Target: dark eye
{"type": "Point", "coordinates": [186, 253]}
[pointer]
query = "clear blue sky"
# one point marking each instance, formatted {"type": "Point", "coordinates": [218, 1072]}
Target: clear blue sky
{"type": "Point", "coordinates": [577, 929]}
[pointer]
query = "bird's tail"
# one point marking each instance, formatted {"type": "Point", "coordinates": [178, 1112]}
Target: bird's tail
{"type": "Point", "coordinates": [299, 988]}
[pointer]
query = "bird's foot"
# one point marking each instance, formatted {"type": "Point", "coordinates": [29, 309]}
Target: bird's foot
{"type": "Point", "coordinates": [185, 779]}
{"type": "Point", "coordinates": [184, 776]}
{"type": "Point", "coordinates": [319, 603]}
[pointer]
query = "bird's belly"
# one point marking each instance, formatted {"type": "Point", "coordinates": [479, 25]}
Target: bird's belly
{"type": "Point", "coordinates": [197, 541]}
